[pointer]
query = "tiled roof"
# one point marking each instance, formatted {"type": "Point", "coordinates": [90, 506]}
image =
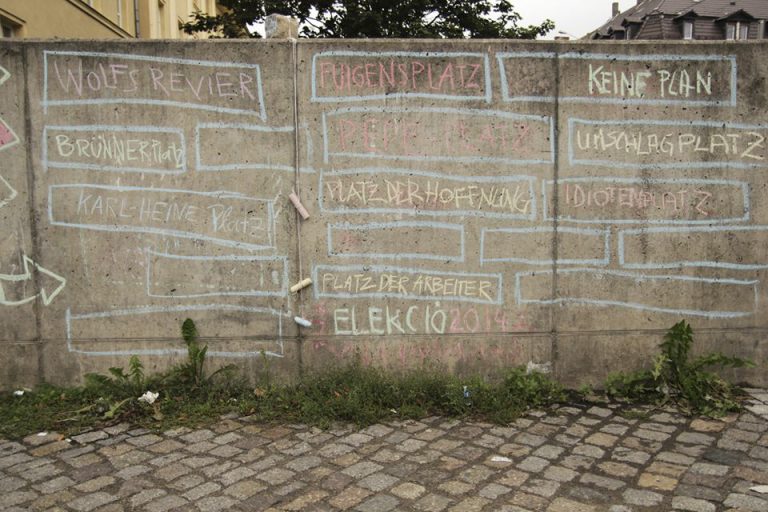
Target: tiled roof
{"type": "Point", "coordinates": [708, 8]}
{"type": "Point", "coordinates": [719, 8]}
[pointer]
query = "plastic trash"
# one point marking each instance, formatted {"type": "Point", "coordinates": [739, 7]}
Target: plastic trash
{"type": "Point", "coordinates": [149, 397]}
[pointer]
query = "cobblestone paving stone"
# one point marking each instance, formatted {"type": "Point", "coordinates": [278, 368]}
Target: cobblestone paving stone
{"type": "Point", "coordinates": [565, 459]}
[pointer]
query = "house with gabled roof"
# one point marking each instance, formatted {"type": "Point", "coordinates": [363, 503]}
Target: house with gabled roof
{"type": "Point", "coordinates": [687, 19]}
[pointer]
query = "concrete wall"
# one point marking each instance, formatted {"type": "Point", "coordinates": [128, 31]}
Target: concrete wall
{"type": "Point", "coordinates": [474, 204]}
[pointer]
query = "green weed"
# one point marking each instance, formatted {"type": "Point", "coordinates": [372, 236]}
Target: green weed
{"type": "Point", "coordinates": [191, 374]}
{"type": "Point", "coordinates": [364, 395]}
{"type": "Point", "coordinates": [190, 395]}
{"type": "Point", "coordinates": [675, 378]}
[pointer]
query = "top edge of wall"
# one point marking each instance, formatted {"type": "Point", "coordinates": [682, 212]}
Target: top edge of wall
{"type": "Point", "coordinates": [343, 41]}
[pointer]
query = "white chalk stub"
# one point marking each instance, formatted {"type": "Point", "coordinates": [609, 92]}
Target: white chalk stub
{"type": "Point", "coordinates": [299, 207]}
{"type": "Point", "coordinates": [301, 284]}
{"type": "Point", "coordinates": [302, 321]}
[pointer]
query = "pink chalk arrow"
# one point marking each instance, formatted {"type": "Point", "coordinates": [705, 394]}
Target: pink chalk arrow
{"type": "Point", "coordinates": [7, 136]}
{"type": "Point", "coordinates": [4, 75]}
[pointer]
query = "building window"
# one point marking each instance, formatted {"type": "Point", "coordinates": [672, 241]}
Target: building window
{"type": "Point", "coordinates": [687, 29]}
{"type": "Point", "coordinates": [6, 29]}
{"type": "Point", "coordinates": [162, 29]}
{"type": "Point", "coordinates": [736, 30]}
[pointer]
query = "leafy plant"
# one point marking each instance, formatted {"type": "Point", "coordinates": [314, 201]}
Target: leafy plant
{"type": "Point", "coordinates": [192, 372]}
{"type": "Point", "coordinates": [585, 390]}
{"type": "Point", "coordinates": [674, 377]}
{"type": "Point", "coordinates": [116, 391]}
{"type": "Point", "coordinates": [119, 383]}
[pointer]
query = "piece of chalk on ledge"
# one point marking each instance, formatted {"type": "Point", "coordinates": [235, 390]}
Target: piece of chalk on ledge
{"type": "Point", "coordinates": [301, 284]}
{"type": "Point", "coordinates": [302, 321]}
{"type": "Point", "coordinates": [299, 207]}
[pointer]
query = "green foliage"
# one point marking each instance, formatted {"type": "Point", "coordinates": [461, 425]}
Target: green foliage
{"type": "Point", "coordinates": [189, 331]}
{"type": "Point", "coordinates": [363, 395]}
{"type": "Point", "coordinates": [585, 390]}
{"type": "Point", "coordinates": [118, 383]}
{"type": "Point", "coordinates": [193, 371]}
{"type": "Point", "coordinates": [677, 379]}
{"type": "Point", "coordinates": [191, 374]}
{"type": "Point", "coordinates": [350, 393]}
{"type": "Point", "coordinates": [40, 409]}
{"type": "Point", "coordinates": [456, 19]}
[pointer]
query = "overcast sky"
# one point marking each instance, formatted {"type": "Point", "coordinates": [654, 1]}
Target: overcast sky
{"type": "Point", "coordinates": [575, 17]}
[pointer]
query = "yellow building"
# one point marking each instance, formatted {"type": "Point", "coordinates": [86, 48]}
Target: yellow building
{"type": "Point", "coordinates": [99, 19]}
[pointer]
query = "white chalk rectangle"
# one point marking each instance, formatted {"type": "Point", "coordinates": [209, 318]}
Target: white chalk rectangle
{"type": "Point", "coordinates": [732, 247]}
{"type": "Point", "coordinates": [533, 246]}
{"type": "Point", "coordinates": [155, 331]}
{"type": "Point", "coordinates": [232, 147]}
{"type": "Point", "coordinates": [385, 190]}
{"type": "Point", "coordinates": [97, 78]}
{"type": "Point", "coordinates": [374, 281]}
{"type": "Point", "coordinates": [656, 144]}
{"type": "Point", "coordinates": [144, 149]}
{"type": "Point", "coordinates": [619, 79]}
{"type": "Point", "coordinates": [675, 294]}
{"type": "Point", "coordinates": [224, 218]}
{"type": "Point", "coordinates": [438, 135]}
{"type": "Point", "coordinates": [361, 76]}
{"type": "Point", "coordinates": [397, 240]}
{"type": "Point", "coordinates": [615, 200]}
{"type": "Point", "coordinates": [181, 276]}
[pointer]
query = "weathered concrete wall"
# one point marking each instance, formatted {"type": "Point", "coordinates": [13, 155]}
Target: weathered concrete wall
{"type": "Point", "coordinates": [475, 204]}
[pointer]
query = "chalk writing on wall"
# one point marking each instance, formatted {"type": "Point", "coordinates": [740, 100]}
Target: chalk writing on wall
{"type": "Point", "coordinates": [704, 80]}
{"type": "Point", "coordinates": [491, 214]}
{"type": "Point", "coordinates": [225, 218]}
{"type": "Point", "coordinates": [144, 149]}
{"type": "Point", "coordinates": [176, 215]}
{"type": "Point", "coordinates": [438, 135]}
{"type": "Point", "coordinates": [358, 76]}
{"type": "Point", "coordinates": [424, 193]}
{"type": "Point", "coordinates": [492, 190]}
{"type": "Point", "coordinates": [94, 78]}
{"type": "Point", "coordinates": [616, 200]}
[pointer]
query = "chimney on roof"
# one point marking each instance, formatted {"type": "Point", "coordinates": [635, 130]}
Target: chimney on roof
{"type": "Point", "coordinates": [277, 26]}
{"type": "Point", "coordinates": [614, 9]}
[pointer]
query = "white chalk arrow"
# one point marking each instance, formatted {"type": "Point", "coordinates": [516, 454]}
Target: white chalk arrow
{"type": "Point", "coordinates": [45, 293]}
{"type": "Point", "coordinates": [8, 137]}
{"type": "Point", "coordinates": [6, 197]}
{"type": "Point", "coordinates": [4, 75]}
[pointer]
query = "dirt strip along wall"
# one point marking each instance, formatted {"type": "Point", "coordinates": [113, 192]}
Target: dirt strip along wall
{"type": "Point", "coordinates": [472, 204]}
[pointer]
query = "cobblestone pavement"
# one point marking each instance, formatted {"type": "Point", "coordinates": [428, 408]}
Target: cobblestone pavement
{"type": "Point", "coordinates": [567, 459]}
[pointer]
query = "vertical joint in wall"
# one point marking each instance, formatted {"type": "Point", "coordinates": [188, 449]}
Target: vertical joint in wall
{"type": "Point", "coordinates": [34, 238]}
{"type": "Point", "coordinates": [297, 184]}
{"type": "Point", "coordinates": [556, 213]}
